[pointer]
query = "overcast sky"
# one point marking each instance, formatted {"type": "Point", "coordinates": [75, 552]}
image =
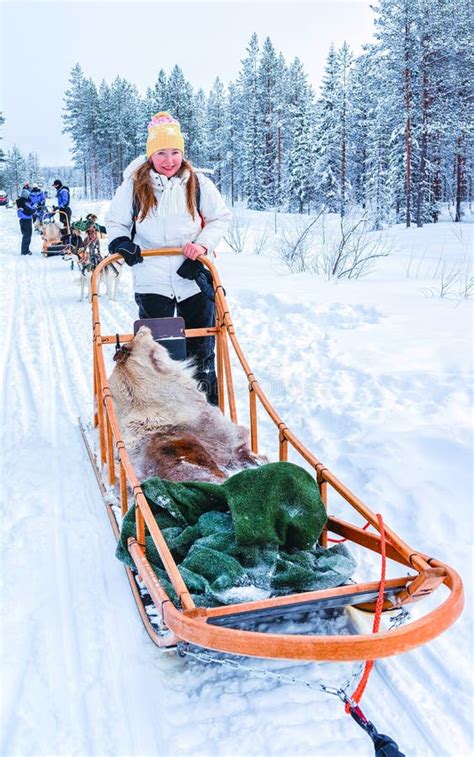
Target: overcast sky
{"type": "Point", "coordinates": [42, 41]}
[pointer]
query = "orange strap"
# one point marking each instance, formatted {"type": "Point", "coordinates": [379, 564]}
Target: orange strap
{"type": "Point", "coordinates": [357, 695]}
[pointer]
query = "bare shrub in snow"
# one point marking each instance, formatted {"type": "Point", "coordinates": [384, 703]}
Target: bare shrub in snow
{"type": "Point", "coordinates": [347, 252]}
{"type": "Point", "coordinates": [452, 280]}
{"type": "Point", "coordinates": [236, 237]}
{"type": "Point", "coordinates": [466, 289]}
{"type": "Point", "coordinates": [298, 244]}
{"type": "Point", "coordinates": [351, 254]}
{"type": "Point", "coordinates": [262, 242]}
{"type": "Point", "coordinates": [414, 259]}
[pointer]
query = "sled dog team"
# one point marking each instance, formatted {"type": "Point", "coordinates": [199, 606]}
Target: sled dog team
{"type": "Point", "coordinates": [83, 249]}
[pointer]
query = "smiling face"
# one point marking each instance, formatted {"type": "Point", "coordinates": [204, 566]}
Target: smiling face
{"type": "Point", "coordinates": [167, 162]}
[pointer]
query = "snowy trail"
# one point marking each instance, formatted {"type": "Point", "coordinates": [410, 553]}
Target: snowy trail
{"type": "Point", "coordinates": [83, 677]}
{"type": "Point", "coordinates": [65, 629]}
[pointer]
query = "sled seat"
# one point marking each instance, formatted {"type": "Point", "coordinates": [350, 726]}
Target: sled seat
{"type": "Point", "coordinates": [169, 332]}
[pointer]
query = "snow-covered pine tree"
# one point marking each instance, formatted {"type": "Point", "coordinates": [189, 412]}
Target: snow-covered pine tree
{"type": "Point", "coordinates": [344, 60]}
{"type": "Point", "coordinates": [216, 107]}
{"type": "Point", "coordinates": [75, 122]}
{"type": "Point", "coordinates": [250, 127]}
{"type": "Point", "coordinates": [105, 148]}
{"type": "Point", "coordinates": [80, 117]}
{"type": "Point", "coordinates": [124, 126]}
{"type": "Point", "coordinates": [147, 108]}
{"type": "Point", "coordinates": [33, 169]}
{"type": "Point", "coordinates": [360, 116]}
{"type": "Point", "coordinates": [269, 98]}
{"type": "Point", "coordinates": [161, 94]}
{"type": "Point", "coordinates": [15, 171]}
{"type": "Point", "coordinates": [156, 98]}
{"type": "Point", "coordinates": [382, 175]}
{"type": "Point", "coordinates": [180, 97]}
{"type": "Point", "coordinates": [90, 117]}
{"type": "Point", "coordinates": [299, 139]}
{"type": "Point", "coordinates": [458, 96]}
{"type": "Point", "coordinates": [232, 173]}
{"type": "Point", "coordinates": [327, 137]}
{"type": "Point", "coordinates": [201, 133]}
{"type": "Point", "coordinates": [332, 125]}
{"type": "Point", "coordinates": [281, 117]}
{"type": "Point", "coordinates": [397, 36]}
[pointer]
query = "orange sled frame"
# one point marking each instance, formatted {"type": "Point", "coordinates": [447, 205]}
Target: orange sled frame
{"type": "Point", "coordinates": [206, 627]}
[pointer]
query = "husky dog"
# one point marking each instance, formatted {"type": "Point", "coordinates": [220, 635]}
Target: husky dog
{"type": "Point", "coordinates": [168, 426]}
{"type": "Point", "coordinates": [87, 257]}
{"type": "Point", "coordinates": [86, 254]}
{"type": "Point", "coordinates": [111, 276]}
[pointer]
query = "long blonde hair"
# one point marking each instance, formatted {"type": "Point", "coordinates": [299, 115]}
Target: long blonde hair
{"type": "Point", "coordinates": [144, 196]}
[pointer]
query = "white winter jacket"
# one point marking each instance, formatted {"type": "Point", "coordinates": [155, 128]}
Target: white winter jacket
{"type": "Point", "coordinates": [167, 225]}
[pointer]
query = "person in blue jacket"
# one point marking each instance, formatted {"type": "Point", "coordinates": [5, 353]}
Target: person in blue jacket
{"type": "Point", "coordinates": [63, 199]}
{"type": "Point", "coordinates": [25, 212]}
{"type": "Point", "coordinates": [38, 200]}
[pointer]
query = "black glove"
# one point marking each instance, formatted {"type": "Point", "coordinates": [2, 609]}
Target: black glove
{"type": "Point", "coordinates": [130, 251]}
{"type": "Point", "coordinates": [192, 269]}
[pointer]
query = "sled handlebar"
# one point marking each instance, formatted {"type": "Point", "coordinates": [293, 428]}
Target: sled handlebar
{"type": "Point", "coordinates": [174, 251]}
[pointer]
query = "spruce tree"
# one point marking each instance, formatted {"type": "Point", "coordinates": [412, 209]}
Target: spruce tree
{"type": "Point", "coordinates": [216, 131]}
{"type": "Point", "coordinates": [232, 169]}
{"type": "Point", "coordinates": [299, 130]}
{"type": "Point", "coordinates": [250, 127]}
{"type": "Point", "coordinates": [268, 88]}
{"type": "Point", "coordinates": [201, 131]}
{"type": "Point", "coordinates": [15, 171]}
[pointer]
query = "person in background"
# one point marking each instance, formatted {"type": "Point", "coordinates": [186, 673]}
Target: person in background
{"type": "Point", "coordinates": [63, 199]}
{"type": "Point", "coordinates": [25, 212]}
{"type": "Point", "coordinates": [38, 200]}
{"type": "Point", "coordinates": [163, 202]}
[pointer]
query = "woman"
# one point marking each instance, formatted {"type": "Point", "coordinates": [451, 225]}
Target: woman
{"type": "Point", "coordinates": [162, 202]}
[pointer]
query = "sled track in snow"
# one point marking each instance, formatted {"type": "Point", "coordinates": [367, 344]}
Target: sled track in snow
{"type": "Point", "coordinates": [70, 343]}
{"type": "Point", "coordinates": [42, 397]}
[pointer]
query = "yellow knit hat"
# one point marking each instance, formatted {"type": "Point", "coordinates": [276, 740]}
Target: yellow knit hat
{"type": "Point", "coordinates": [164, 133]}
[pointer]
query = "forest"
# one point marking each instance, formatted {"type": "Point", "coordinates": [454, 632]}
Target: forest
{"type": "Point", "coordinates": [389, 131]}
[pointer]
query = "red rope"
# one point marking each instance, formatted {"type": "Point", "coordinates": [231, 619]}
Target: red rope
{"type": "Point", "coordinates": [357, 695]}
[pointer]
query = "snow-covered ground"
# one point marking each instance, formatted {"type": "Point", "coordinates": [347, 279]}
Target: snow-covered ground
{"type": "Point", "coordinates": [374, 376]}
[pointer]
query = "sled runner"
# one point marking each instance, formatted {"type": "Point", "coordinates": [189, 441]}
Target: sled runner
{"type": "Point", "coordinates": [225, 628]}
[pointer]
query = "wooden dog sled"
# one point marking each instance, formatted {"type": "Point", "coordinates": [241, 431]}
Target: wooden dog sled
{"type": "Point", "coordinates": [220, 628]}
{"type": "Point", "coordinates": [62, 244]}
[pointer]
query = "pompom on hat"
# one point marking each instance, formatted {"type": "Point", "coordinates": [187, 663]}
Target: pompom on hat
{"type": "Point", "coordinates": [164, 133]}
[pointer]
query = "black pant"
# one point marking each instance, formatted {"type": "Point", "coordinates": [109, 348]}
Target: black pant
{"type": "Point", "coordinates": [26, 226]}
{"type": "Point", "coordinates": [62, 218]}
{"type": "Point", "coordinates": [198, 312]}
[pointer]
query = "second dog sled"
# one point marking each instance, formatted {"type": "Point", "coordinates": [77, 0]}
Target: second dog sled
{"type": "Point", "coordinates": [56, 240]}
{"type": "Point", "coordinates": [224, 628]}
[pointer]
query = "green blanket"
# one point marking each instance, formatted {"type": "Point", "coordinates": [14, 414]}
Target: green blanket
{"type": "Point", "coordinates": [251, 537]}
